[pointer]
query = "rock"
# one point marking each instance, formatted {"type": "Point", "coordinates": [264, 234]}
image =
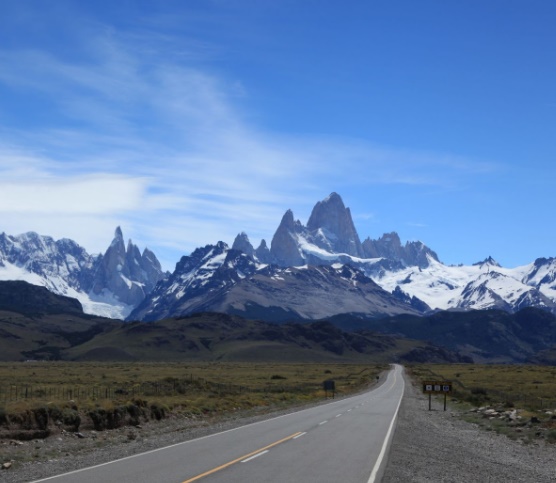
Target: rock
{"type": "Point", "coordinates": [80, 435]}
{"type": "Point", "coordinates": [7, 466]}
{"type": "Point", "coordinates": [243, 244]}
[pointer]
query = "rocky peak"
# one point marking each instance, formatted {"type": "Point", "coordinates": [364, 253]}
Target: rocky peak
{"type": "Point", "coordinates": [198, 257]}
{"type": "Point", "coordinates": [125, 272]}
{"type": "Point", "coordinates": [284, 247]}
{"type": "Point", "coordinates": [488, 261]}
{"type": "Point", "coordinates": [389, 246]}
{"type": "Point", "coordinates": [263, 253]}
{"type": "Point", "coordinates": [332, 228]}
{"type": "Point", "coordinates": [118, 240]}
{"type": "Point", "coordinates": [243, 244]}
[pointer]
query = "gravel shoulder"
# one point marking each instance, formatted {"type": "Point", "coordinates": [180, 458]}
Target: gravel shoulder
{"type": "Point", "coordinates": [438, 446]}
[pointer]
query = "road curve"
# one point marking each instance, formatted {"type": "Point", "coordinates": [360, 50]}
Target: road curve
{"type": "Point", "coordinates": [345, 440]}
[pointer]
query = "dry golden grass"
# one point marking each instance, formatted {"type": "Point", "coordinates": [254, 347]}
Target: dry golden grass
{"type": "Point", "coordinates": [526, 386]}
{"type": "Point", "coordinates": [198, 388]}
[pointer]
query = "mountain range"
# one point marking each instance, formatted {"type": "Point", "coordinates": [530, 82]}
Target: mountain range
{"type": "Point", "coordinates": [108, 285]}
{"type": "Point", "coordinates": [310, 271]}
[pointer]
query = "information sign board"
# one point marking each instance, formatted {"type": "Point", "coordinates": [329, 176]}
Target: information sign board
{"type": "Point", "coordinates": [437, 387]}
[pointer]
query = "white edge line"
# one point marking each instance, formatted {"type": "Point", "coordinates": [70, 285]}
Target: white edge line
{"type": "Point", "coordinates": [386, 439]}
{"type": "Point", "coordinates": [191, 440]}
{"type": "Point", "coordinates": [254, 456]}
{"type": "Point", "coordinates": [299, 435]}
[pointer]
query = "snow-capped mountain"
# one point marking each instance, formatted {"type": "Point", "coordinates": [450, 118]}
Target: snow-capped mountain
{"type": "Point", "coordinates": [484, 285]}
{"type": "Point", "coordinates": [411, 271]}
{"type": "Point", "coordinates": [326, 254]}
{"type": "Point", "coordinates": [219, 279]}
{"type": "Point", "coordinates": [109, 285]}
{"type": "Point", "coordinates": [330, 236]}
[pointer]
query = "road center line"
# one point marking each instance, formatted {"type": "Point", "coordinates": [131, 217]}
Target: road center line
{"type": "Point", "coordinates": [255, 456]}
{"type": "Point", "coordinates": [244, 457]}
{"type": "Point", "coordinates": [338, 415]}
{"type": "Point", "coordinates": [322, 422]}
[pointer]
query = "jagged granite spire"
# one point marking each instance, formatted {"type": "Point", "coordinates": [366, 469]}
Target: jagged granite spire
{"type": "Point", "coordinates": [263, 253]}
{"type": "Point", "coordinates": [124, 272]}
{"type": "Point", "coordinates": [284, 247]}
{"type": "Point", "coordinates": [332, 227]}
{"type": "Point", "coordinates": [243, 244]}
{"type": "Point", "coordinates": [390, 246]}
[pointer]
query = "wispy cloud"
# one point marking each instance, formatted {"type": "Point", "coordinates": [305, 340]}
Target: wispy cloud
{"type": "Point", "coordinates": [166, 150]}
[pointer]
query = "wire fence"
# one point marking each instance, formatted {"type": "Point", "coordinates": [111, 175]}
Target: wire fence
{"type": "Point", "coordinates": [175, 387]}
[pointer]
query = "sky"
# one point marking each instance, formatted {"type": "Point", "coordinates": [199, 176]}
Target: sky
{"type": "Point", "coordinates": [188, 122]}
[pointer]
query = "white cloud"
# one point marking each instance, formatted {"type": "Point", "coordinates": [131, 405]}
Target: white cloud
{"type": "Point", "coordinates": [165, 150]}
{"type": "Point", "coordinates": [88, 195]}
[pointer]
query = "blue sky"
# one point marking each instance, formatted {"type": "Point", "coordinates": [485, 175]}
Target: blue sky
{"type": "Point", "coordinates": [186, 123]}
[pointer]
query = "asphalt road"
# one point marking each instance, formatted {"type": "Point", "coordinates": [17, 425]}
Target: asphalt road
{"type": "Point", "coordinates": [343, 441]}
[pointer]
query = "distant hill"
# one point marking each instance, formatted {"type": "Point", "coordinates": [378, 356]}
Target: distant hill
{"type": "Point", "coordinates": [24, 298]}
{"type": "Point", "coordinates": [487, 336]}
{"type": "Point", "coordinates": [32, 328]}
{"type": "Point", "coordinates": [37, 324]}
{"type": "Point", "coordinates": [212, 336]}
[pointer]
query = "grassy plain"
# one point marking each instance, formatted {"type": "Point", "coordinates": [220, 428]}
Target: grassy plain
{"type": "Point", "coordinates": [525, 386]}
{"type": "Point", "coordinates": [200, 388]}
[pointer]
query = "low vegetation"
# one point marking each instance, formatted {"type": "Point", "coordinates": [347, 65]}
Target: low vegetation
{"type": "Point", "coordinates": [516, 400]}
{"type": "Point", "coordinates": [37, 398]}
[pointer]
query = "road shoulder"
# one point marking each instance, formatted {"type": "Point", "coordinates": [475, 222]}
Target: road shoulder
{"type": "Point", "coordinates": [438, 446]}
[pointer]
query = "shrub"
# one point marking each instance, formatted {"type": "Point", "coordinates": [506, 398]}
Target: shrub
{"type": "Point", "coordinates": [116, 417]}
{"type": "Point", "coordinates": [41, 418]}
{"type": "Point", "coordinates": [98, 417]}
{"type": "Point", "coordinates": [55, 413]}
{"type": "Point", "coordinates": [108, 419]}
{"type": "Point", "coordinates": [158, 411]}
{"type": "Point", "coordinates": [3, 416]}
{"type": "Point", "coordinates": [134, 413]}
{"type": "Point", "coordinates": [71, 418]}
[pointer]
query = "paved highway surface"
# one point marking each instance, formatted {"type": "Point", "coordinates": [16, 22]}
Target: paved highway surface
{"type": "Point", "coordinates": [343, 441]}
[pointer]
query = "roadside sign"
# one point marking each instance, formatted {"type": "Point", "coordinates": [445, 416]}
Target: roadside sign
{"type": "Point", "coordinates": [437, 387]}
{"type": "Point", "coordinates": [329, 385]}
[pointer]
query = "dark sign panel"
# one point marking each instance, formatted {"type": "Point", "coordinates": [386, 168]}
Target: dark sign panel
{"type": "Point", "coordinates": [329, 385]}
{"type": "Point", "coordinates": [437, 387]}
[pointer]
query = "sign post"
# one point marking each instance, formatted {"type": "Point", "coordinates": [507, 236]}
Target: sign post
{"type": "Point", "coordinates": [437, 387]}
{"type": "Point", "coordinates": [329, 385]}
